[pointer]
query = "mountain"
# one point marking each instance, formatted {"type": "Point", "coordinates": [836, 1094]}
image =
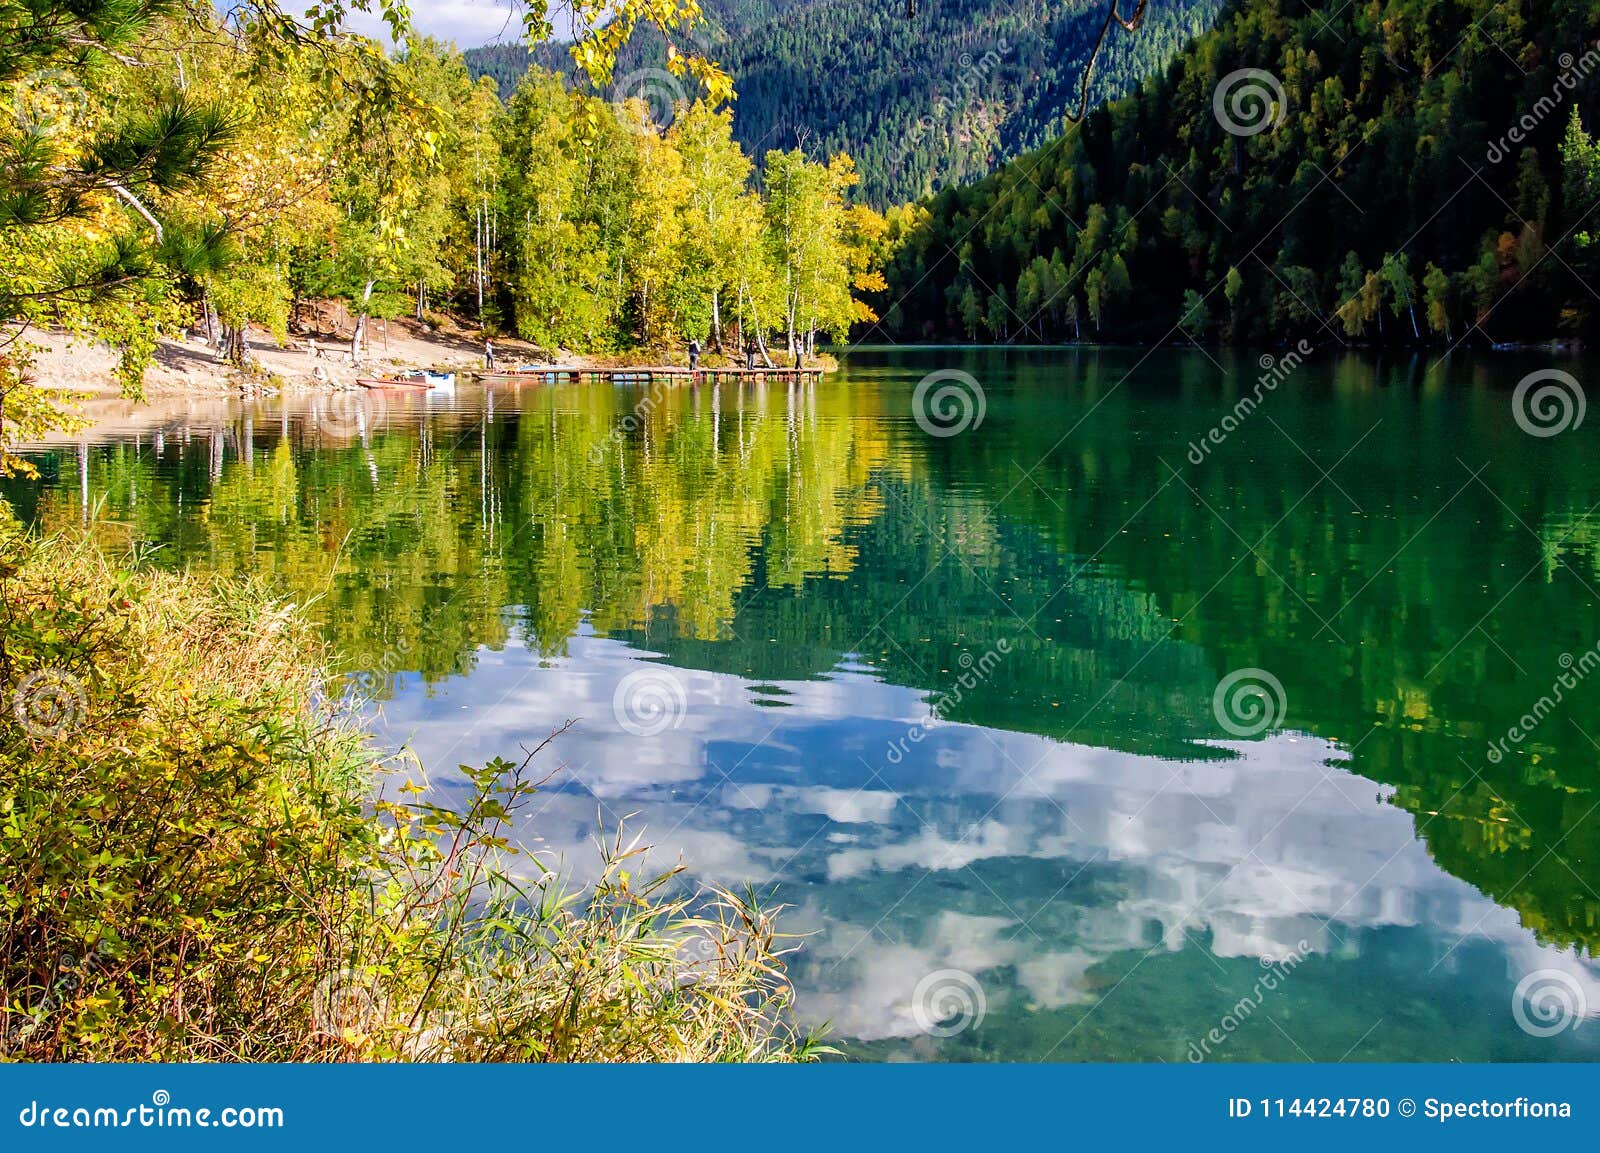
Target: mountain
{"type": "Point", "coordinates": [920, 103]}
{"type": "Point", "coordinates": [1391, 171]}
{"type": "Point", "coordinates": [505, 64]}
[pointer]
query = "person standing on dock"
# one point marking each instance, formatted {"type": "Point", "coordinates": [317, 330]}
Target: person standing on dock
{"type": "Point", "coordinates": [749, 355]}
{"type": "Point", "coordinates": [488, 354]}
{"type": "Point", "coordinates": [694, 355]}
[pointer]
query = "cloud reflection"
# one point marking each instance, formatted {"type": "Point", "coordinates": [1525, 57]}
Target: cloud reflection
{"type": "Point", "coordinates": [992, 852]}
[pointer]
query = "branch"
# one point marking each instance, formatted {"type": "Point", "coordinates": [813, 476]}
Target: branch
{"type": "Point", "coordinates": [67, 289]}
{"type": "Point", "coordinates": [137, 207]}
{"type": "Point", "coordinates": [97, 45]}
{"type": "Point", "coordinates": [1131, 24]}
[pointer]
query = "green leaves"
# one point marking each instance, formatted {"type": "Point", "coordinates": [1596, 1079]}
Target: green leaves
{"type": "Point", "coordinates": [167, 149]}
{"type": "Point", "coordinates": [196, 250]}
{"type": "Point", "coordinates": [64, 185]}
{"type": "Point", "coordinates": [622, 234]}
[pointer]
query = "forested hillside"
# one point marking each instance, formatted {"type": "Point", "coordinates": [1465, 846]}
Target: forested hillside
{"type": "Point", "coordinates": [921, 103]}
{"type": "Point", "coordinates": [1391, 171]}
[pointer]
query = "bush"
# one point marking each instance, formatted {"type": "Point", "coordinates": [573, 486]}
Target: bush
{"type": "Point", "coordinates": [195, 869]}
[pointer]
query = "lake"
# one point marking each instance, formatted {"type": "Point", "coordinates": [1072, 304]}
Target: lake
{"type": "Point", "coordinates": [1076, 710]}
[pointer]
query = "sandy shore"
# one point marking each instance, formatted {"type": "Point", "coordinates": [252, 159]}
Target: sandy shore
{"type": "Point", "coordinates": [191, 367]}
{"type": "Point", "coordinates": [186, 378]}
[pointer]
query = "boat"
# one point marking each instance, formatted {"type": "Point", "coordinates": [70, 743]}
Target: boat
{"type": "Point", "coordinates": [439, 379]}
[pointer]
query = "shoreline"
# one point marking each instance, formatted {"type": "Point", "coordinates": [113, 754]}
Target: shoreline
{"type": "Point", "coordinates": [304, 362]}
{"type": "Point", "coordinates": [185, 375]}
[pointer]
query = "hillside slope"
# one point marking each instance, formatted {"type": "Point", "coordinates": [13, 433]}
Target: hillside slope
{"type": "Point", "coordinates": [922, 103]}
{"type": "Point", "coordinates": [1383, 171]}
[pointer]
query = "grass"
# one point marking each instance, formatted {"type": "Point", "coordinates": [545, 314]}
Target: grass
{"type": "Point", "coordinates": [195, 867]}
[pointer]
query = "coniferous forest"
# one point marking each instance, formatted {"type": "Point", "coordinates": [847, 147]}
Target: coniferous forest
{"type": "Point", "coordinates": [920, 103]}
{"type": "Point", "coordinates": [1394, 172]}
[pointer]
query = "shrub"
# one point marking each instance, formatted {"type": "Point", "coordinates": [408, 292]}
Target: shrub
{"type": "Point", "coordinates": [195, 867]}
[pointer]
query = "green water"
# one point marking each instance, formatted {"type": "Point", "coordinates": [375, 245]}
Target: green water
{"type": "Point", "coordinates": [954, 698]}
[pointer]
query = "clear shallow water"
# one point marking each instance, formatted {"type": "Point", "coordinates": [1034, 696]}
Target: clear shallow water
{"type": "Point", "coordinates": [952, 698]}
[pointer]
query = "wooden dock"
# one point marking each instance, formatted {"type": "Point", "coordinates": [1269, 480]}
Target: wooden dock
{"type": "Point", "coordinates": [566, 374]}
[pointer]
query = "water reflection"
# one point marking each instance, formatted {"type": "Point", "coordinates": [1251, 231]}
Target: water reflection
{"type": "Point", "coordinates": [1055, 873]}
{"type": "Point", "coordinates": [1073, 827]}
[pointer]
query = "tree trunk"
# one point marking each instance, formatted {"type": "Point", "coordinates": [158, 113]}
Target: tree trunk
{"type": "Point", "coordinates": [478, 237]}
{"type": "Point", "coordinates": [233, 345]}
{"type": "Point", "coordinates": [360, 334]}
{"type": "Point", "coordinates": [716, 320]}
